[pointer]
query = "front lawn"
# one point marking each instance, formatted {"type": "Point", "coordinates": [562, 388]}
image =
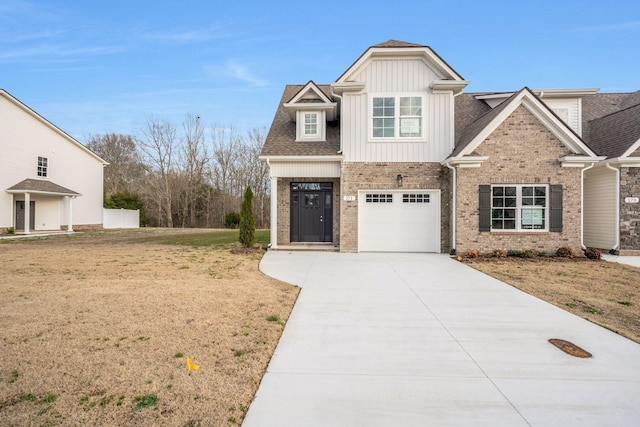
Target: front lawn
{"type": "Point", "coordinates": [96, 328]}
{"type": "Point", "coordinates": [606, 293]}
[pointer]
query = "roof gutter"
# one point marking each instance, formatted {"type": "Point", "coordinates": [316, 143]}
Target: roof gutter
{"type": "Point", "coordinates": [300, 158]}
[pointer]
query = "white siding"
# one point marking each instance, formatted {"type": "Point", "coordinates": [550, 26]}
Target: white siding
{"type": "Point", "coordinates": [573, 111]}
{"type": "Point", "coordinates": [23, 138]}
{"type": "Point", "coordinates": [397, 76]}
{"type": "Point", "coordinates": [304, 169]}
{"type": "Point", "coordinates": [600, 208]}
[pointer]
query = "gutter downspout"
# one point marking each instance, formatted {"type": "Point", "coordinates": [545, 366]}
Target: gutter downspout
{"type": "Point", "coordinates": [454, 190]}
{"type": "Point", "coordinates": [582, 205]}
{"type": "Point", "coordinates": [340, 98]}
{"type": "Point", "coordinates": [617, 171]}
{"type": "Point", "coordinates": [453, 209]}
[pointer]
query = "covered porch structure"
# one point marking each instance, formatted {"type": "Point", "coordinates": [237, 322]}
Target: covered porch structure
{"type": "Point", "coordinates": [41, 205]}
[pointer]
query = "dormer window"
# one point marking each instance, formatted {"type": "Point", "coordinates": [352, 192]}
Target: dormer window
{"type": "Point", "coordinates": [310, 126]}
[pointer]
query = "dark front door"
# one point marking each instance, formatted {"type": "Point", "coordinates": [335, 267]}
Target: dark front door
{"type": "Point", "coordinates": [311, 212]}
{"type": "Point", "coordinates": [20, 215]}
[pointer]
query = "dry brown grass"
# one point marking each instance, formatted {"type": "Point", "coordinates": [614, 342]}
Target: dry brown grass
{"type": "Point", "coordinates": [606, 293]}
{"type": "Point", "coordinates": [87, 325]}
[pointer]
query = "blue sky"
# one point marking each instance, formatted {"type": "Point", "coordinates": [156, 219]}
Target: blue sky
{"type": "Point", "coordinates": [92, 67]}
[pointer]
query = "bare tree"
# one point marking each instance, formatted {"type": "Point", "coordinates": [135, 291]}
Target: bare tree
{"type": "Point", "coordinates": [193, 160]}
{"type": "Point", "coordinates": [158, 150]}
{"type": "Point", "coordinates": [226, 146]}
{"type": "Point", "coordinates": [124, 171]}
{"type": "Point", "coordinates": [259, 174]}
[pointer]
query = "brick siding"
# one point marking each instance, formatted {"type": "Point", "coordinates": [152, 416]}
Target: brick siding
{"type": "Point", "coordinates": [521, 151]}
{"type": "Point", "coordinates": [382, 176]}
{"type": "Point", "coordinates": [629, 212]}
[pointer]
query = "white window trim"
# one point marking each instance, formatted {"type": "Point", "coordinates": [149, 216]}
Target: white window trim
{"type": "Point", "coordinates": [518, 208]}
{"type": "Point", "coordinates": [396, 117]}
{"type": "Point", "coordinates": [321, 135]}
{"type": "Point", "coordinates": [42, 169]}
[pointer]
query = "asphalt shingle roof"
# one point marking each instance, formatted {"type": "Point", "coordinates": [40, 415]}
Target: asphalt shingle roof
{"type": "Point", "coordinates": [614, 134]}
{"type": "Point", "coordinates": [42, 186]}
{"type": "Point", "coordinates": [281, 139]}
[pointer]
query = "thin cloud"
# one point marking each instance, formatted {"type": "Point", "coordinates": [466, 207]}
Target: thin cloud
{"type": "Point", "coordinates": [45, 52]}
{"type": "Point", "coordinates": [186, 37]}
{"type": "Point", "coordinates": [242, 72]}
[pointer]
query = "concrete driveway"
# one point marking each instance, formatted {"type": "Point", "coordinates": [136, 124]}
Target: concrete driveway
{"type": "Point", "coordinates": [422, 340]}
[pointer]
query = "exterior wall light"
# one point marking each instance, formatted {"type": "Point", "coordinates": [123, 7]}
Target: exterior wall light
{"type": "Point", "coordinates": [399, 178]}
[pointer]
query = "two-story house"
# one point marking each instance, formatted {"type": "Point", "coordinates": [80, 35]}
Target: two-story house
{"type": "Point", "coordinates": [393, 156]}
{"type": "Point", "coordinates": [48, 180]}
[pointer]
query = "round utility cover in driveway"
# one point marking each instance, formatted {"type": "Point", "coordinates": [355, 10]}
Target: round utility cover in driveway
{"type": "Point", "coordinates": [398, 221]}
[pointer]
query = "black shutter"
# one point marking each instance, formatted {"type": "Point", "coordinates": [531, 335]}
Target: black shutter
{"type": "Point", "coordinates": [484, 205]}
{"type": "Point", "coordinates": [555, 208]}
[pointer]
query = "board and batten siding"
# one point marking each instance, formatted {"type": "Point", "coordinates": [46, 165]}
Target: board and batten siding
{"type": "Point", "coordinates": [396, 77]}
{"type": "Point", "coordinates": [304, 169]}
{"type": "Point", "coordinates": [600, 208]}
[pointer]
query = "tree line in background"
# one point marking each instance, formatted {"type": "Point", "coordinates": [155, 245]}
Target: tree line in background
{"type": "Point", "coordinates": [187, 176]}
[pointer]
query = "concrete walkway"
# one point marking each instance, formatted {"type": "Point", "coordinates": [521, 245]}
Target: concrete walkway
{"type": "Point", "coordinates": [422, 340]}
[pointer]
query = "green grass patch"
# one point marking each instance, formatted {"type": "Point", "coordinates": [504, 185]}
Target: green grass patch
{"type": "Point", "coordinates": [215, 238]}
{"type": "Point", "coordinates": [49, 398]}
{"type": "Point", "coordinates": [273, 318]}
{"type": "Point", "coordinates": [594, 310]}
{"type": "Point", "coordinates": [627, 303]}
{"type": "Point", "coordinates": [145, 401]}
{"type": "Point", "coordinates": [28, 397]}
{"type": "Point", "coordinates": [178, 355]}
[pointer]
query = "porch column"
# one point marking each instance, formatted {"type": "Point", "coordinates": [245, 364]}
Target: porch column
{"type": "Point", "coordinates": [27, 212]}
{"type": "Point", "coordinates": [274, 212]}
{"type": "Point", "coordinates": [70, 219]}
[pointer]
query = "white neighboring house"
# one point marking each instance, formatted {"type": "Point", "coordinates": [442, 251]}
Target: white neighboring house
{"type": "Point", "coordinates": [45, 174]}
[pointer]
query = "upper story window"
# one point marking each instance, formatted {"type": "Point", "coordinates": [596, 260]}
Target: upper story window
{"type": "Point", "coordinates": [397, 117]}
{"type": "Point", "coordinates": [43, 166]}
{"type": "Point", "coordinates": [310, 126]}
{"type": "Point", "coordinates": [519, 207]}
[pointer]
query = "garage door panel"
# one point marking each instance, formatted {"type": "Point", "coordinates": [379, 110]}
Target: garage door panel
{"type": "Point", "coordinates": [405, 222]}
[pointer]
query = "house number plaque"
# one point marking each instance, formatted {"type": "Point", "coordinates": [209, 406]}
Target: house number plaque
{"type": "Point", "coordinates": [349, 198]}
{"type": "Point", "coordinates": [632, 199]}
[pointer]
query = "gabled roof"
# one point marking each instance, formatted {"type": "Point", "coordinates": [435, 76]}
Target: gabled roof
{"type": "Point", "coordinates": [616, 134]}
{"type": "Point", "coordinates": [41, 186]}
{"type": "Point", "coordinates": [400, 48]}
{"type": "Point", "coordinates": [476, 132]}
{"type": "Point", "coordinates": [24, 107]}
{"type": "Point", "coordinates": [309, 93]}
{"type": "Point", "coordinates": [397, 43]}
{"type": "Point", "coordinates": [280, 141]}
{"type": "Point", "coordinates": [311, 97]}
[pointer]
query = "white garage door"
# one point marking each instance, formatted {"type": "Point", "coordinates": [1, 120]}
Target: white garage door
{"type": "Point", "coordinates": [399, 221]}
